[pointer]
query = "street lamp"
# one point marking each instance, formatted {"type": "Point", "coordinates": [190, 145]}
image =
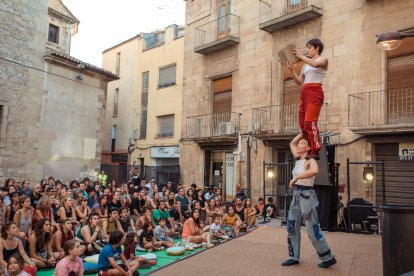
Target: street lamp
{"type": "Point", "coordinates": [368, 173]}
{"type": "Point", "coordinates": [270, 172]}
{"type": "Point", "coordinates": [391, 40]}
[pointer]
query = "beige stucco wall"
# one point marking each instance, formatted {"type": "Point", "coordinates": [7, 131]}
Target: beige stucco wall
{"type": "Point", "coordinates": [127, 85]}
{"type": "Point", "coordinates": [161, 101]}
{"type": "Point", "coordinates": [356, 64]}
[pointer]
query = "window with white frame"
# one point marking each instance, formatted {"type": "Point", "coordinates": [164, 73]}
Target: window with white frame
{"type": "Point", "coordinates": [165, 126]}
{"type": "Point", "coordinates": [167, 76]}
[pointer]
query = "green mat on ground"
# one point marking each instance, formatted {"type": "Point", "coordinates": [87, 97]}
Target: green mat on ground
{"type": "Point", "coordinates": [162, 259]}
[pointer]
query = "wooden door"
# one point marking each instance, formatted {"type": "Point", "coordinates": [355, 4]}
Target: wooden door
{"type": "Point", "coordinates": [224, 22]}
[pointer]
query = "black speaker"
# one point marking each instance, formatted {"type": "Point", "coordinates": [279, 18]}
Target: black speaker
{"type": "Point", "coordinates": [322, 178]}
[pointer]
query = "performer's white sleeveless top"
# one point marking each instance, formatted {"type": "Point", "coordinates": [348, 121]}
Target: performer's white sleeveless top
{"type": "Point", "coordinates": [299, 169]}
{"type": "Point", "coordinates": [313, 74]}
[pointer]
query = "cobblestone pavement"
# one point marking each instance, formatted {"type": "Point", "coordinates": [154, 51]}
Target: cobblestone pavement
{"type": "Point", "coordinates": [262, 251]}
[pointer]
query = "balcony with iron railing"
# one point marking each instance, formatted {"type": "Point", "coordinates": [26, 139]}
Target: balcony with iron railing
{"type": "Point", "coordinates": [281, 120]}
{"type": "Point", "coordinates": [216, 35]}
{"type": "Point", "coordinates": [277, 15]}
{"type": "Point", "coordinates": [381, 111]}
{"type": "Point", "coordinates": [212, 125]}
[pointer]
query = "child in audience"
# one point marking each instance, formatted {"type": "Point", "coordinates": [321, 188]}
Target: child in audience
{"type": "Point", "coordinates": [146, 239]}
{"type": "Point", "coordinates": [162, 234]}
{"type": "Point", "coordinates": [71, 264]}
{"type": "Point", "coordinates": [217, 234]}
{"type": "Point", "coordinates": [269, 208]}
{"type": "Point", "coordinates": [112, 253]}
{"type": "Point", "coordinates": [15, 266]}
{"type": "Point", "coordinates": [131, 241]}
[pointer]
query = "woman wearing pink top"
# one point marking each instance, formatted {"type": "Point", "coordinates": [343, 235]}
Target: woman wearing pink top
{"type": "Point", "coordinates": [192, 231]}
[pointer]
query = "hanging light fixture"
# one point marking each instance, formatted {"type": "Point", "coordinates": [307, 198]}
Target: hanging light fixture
{"type": "Point", "coordinates": [368, 174]}
{"type": "Point", "coordinates": [391, 40]}
{"type": "Point", "coordinates": [271, 172]}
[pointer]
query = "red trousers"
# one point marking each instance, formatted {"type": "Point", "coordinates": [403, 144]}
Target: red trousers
{"type": "Point", "coordinates": [310, 104]}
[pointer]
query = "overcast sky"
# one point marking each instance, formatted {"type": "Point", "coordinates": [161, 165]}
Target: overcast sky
{"type": "Point", "coordinates": [105, 23]}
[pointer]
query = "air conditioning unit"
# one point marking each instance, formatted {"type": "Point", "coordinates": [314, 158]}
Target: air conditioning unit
{"type": "Point", "coordinates": [226, 128]}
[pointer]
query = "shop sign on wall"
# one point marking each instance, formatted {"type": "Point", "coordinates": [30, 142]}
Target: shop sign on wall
{"type": "Point", "coordinates": [406, 151]}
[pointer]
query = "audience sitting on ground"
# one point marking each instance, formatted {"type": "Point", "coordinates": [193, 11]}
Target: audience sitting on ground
{"type": "Point", "coordinates": [146, 240]}
{"type": "Point", "coordinates": [111, 254]}
{"type": "Point", "coordinates": [10, 244]}
{"type": "Point", "coordinates": [162, 234]}
{"type": "Point", "coordinates": [269, 208]}
{"type": "Point", "coordinates": [88, 214]}
{"type": "Point", "coordinates": [231, 222]}
{"type": "Point", "coordinates": [15, 266]}
{"type": "Point", "coordinates": [90, 233]}
{"type": "Point", "coordinates": [71, 264]}
{"type": "Point", "coordinates": [192, 230]}
{"type": "Point", "coordinates": [40, 245]}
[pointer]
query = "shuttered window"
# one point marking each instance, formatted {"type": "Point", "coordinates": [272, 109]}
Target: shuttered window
{"type": "Point", "coordinates": [116, 97]}
{"type": "Point", "coordinates": [222, 89]}
{"type": "Point", "coordinates": [144, 106]}
{"type": "Point", "coordinates": [167, 76]}
{"type": "Point", "coordinates": [165, 126]}
{"type": "Point", "coordinates": [400, 83]}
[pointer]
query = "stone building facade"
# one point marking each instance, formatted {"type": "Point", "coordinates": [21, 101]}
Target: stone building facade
{"type": "Point", "coordinates": [234, 81]}
{"type": "Point", "coordinates": [144, 105]}
{"type": "Point", "coordinates": [51, 104]}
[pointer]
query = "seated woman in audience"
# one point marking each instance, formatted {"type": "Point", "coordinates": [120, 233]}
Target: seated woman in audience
{"type": "Point", "coordinates": [40, 245]}
{"type": "Point", "coordinates": [147, 216]}
{"type": "Point", "coordinates": [90, 233]}
{"type": "Point", "coordinates": [125, 220]}
{"type": "Point", "coordinates": [154, 200]}
{"type": "Point", "coordinates": [191, 197]}
{"type": "Point", "coordinates": [15, 266]}
{"type": "Point", "coordinates": [192, 230]}
{"type": "Point", "coordinates": [231, 222]}
{"type": "Point", "coordinates": [44, 210]}
{"type": "Point", "coordinates": [102, 212]}
{"type": "Point", "coordinates": [82, 210]}
{"type": "Point", "coordinates": [61, 236]}
{"type": "Point", "coordinates": [200, 197]}
{"type": "Point", "coordinates": [220, 204]}
{"type": "Point", "coordinates": [10, 244]}
{"type": "Point", "coordinates": [170, 201]}
{"type": "Point", "coordinates": [203, 212]}
{"type": "Point", "coordinates": [71, 264]}
{"type": "Point", "coordinates": [62, 194]}
{"type": "Point", "coordinates": [23, 217]}
{"type": "Point", "coordinates": [251, 213]}
{"type": "Point", "coordinates": [213, 211]}
{"type": "Point", "coordinates": [66, 211]}
{"type": "Point", "coordinates": [125, 196]}
{"type": "Point", "coordinates": [3, 210]}
{"type": "Point", "coordinates": [146, 239]}
{"type": "Point", "coordinates": [13, 207]}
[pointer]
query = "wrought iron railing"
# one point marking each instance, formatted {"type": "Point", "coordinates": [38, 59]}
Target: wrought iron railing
{"type": "Point", "coordinates": [381, 108]}
{"type": "Point", "coordinates": [282, 119]}
{"type": "Point", "coordinates": [213, 125]}
{"type": "Point", "coordinates": [273, 9]}
{"type": "Point", "coordinates": [220, 28]}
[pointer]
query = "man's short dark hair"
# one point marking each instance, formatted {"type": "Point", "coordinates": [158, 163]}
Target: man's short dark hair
{"type": "Point", "coordinates": [261, 199]}
{"type": "Point", "coordinates": [162, 219]}
{"type": "Point", "coordinates": [116, 237]}
{"type": "Point", "coordinates": [270, 199]}
{"type": "Point", "coordinates": [316, 43]}
{"type": "Point", "coordinates": [113, 209]}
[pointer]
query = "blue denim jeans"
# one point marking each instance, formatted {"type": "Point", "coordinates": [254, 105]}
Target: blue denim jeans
{"type": "Point", "coordinates": [303, 207]}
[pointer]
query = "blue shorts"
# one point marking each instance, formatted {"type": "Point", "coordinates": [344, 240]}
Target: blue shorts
{"type": "Point", "coordinates": [104, 269]}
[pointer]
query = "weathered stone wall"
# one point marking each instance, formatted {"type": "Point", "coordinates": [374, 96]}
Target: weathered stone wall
{"type": "Point", "coordinates": [22, 37]}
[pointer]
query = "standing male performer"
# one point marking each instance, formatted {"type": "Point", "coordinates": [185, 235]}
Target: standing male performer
{"type": "Point", "coordinates": [311, 95]}
{"type": "Point", "coordinates": [303, 206]}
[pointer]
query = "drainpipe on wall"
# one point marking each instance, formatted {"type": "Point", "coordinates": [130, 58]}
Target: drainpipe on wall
{"type": "Point", "coordinates": [249, 146]}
